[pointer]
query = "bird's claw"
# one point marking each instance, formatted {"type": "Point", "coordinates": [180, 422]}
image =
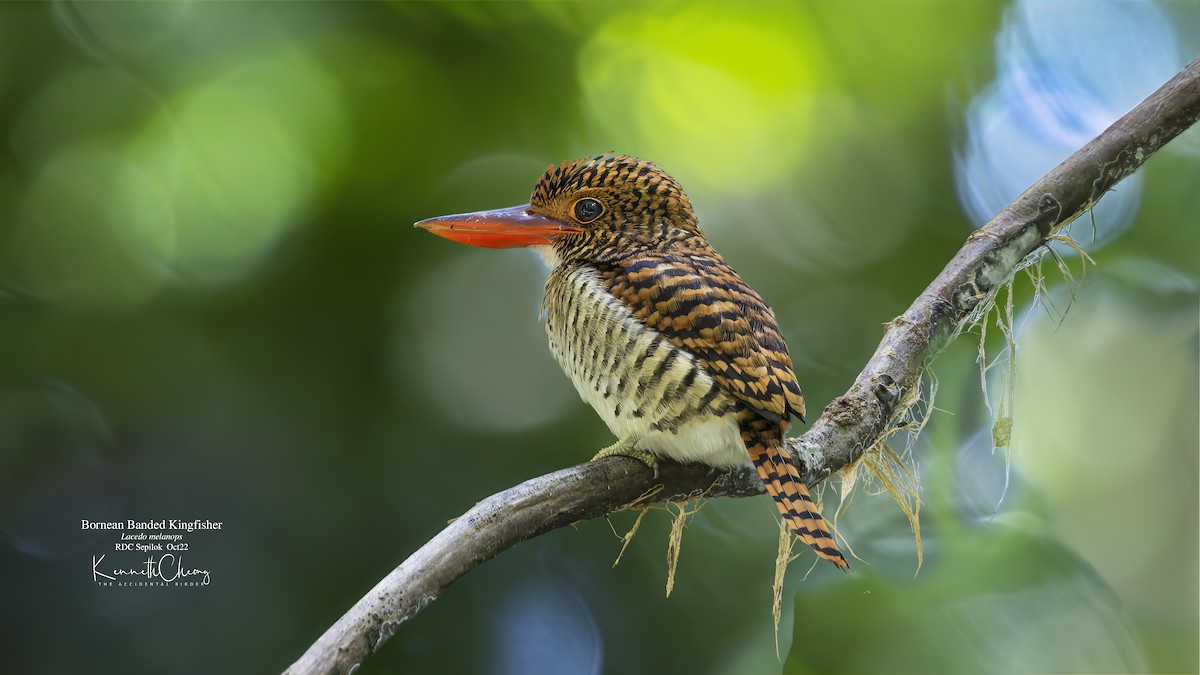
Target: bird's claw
{"type": "Point", "coordinates": [628, 448]}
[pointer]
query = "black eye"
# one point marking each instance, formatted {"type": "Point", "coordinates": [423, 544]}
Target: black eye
{"type": "Point", "coordinates": [588, 209]}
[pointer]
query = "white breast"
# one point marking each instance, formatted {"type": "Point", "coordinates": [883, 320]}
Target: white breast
{"type": "Point", "coordinates": [640, 384]}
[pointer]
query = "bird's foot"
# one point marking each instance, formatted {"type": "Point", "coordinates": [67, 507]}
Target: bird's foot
{"type": "Point", "coordinates": [627, 447]}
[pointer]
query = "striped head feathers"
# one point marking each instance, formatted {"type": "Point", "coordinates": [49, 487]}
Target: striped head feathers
{"type": "Point", "coordinates": [619, 203]}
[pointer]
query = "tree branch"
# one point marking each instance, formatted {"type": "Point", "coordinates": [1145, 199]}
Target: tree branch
{"type": "Point", "coordinates": [850, 424]}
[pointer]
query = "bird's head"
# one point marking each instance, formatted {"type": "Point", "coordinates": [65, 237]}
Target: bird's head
{"type": "Point", "coordinates": [590, 209]}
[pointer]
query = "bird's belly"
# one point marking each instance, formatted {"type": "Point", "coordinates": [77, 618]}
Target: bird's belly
{"type": "Point", "coordinates": [641, 385]}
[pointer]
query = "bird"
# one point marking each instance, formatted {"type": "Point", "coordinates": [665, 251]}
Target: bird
{"type": "Point", "coordinates": [676, 353]}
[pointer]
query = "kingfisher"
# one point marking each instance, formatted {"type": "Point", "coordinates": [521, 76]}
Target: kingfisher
{"type": "Point", "coordinates": [680, 357]}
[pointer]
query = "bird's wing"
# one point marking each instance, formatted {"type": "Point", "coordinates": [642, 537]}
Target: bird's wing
{"type": "Point", "coordinates": [701, 305]}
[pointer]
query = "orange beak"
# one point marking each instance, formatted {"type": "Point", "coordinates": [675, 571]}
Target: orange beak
{"type": "Point", "coordinates": [501, 228]}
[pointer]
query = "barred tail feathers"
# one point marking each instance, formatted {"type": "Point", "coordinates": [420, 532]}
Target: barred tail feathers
{"type": "Point", "coordinates": [785, 486]}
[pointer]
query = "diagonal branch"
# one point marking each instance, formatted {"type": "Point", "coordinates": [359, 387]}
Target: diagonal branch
{"type": "Point", "coordinates": [850, 424]}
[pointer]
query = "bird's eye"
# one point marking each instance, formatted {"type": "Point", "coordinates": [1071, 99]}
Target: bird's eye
{"type": "Point", "coordinates": [587, 210]}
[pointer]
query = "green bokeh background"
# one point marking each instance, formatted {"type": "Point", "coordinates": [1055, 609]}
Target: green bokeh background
{"type": "Point", "coordinates": [213, 305]}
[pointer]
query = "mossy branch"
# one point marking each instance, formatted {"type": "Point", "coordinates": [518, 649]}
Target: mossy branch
{"type": "Point", "coordinates": [850, 424]}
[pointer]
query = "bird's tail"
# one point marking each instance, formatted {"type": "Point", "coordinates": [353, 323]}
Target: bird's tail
{"type": "Point", "coordinates": [764, 441]}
